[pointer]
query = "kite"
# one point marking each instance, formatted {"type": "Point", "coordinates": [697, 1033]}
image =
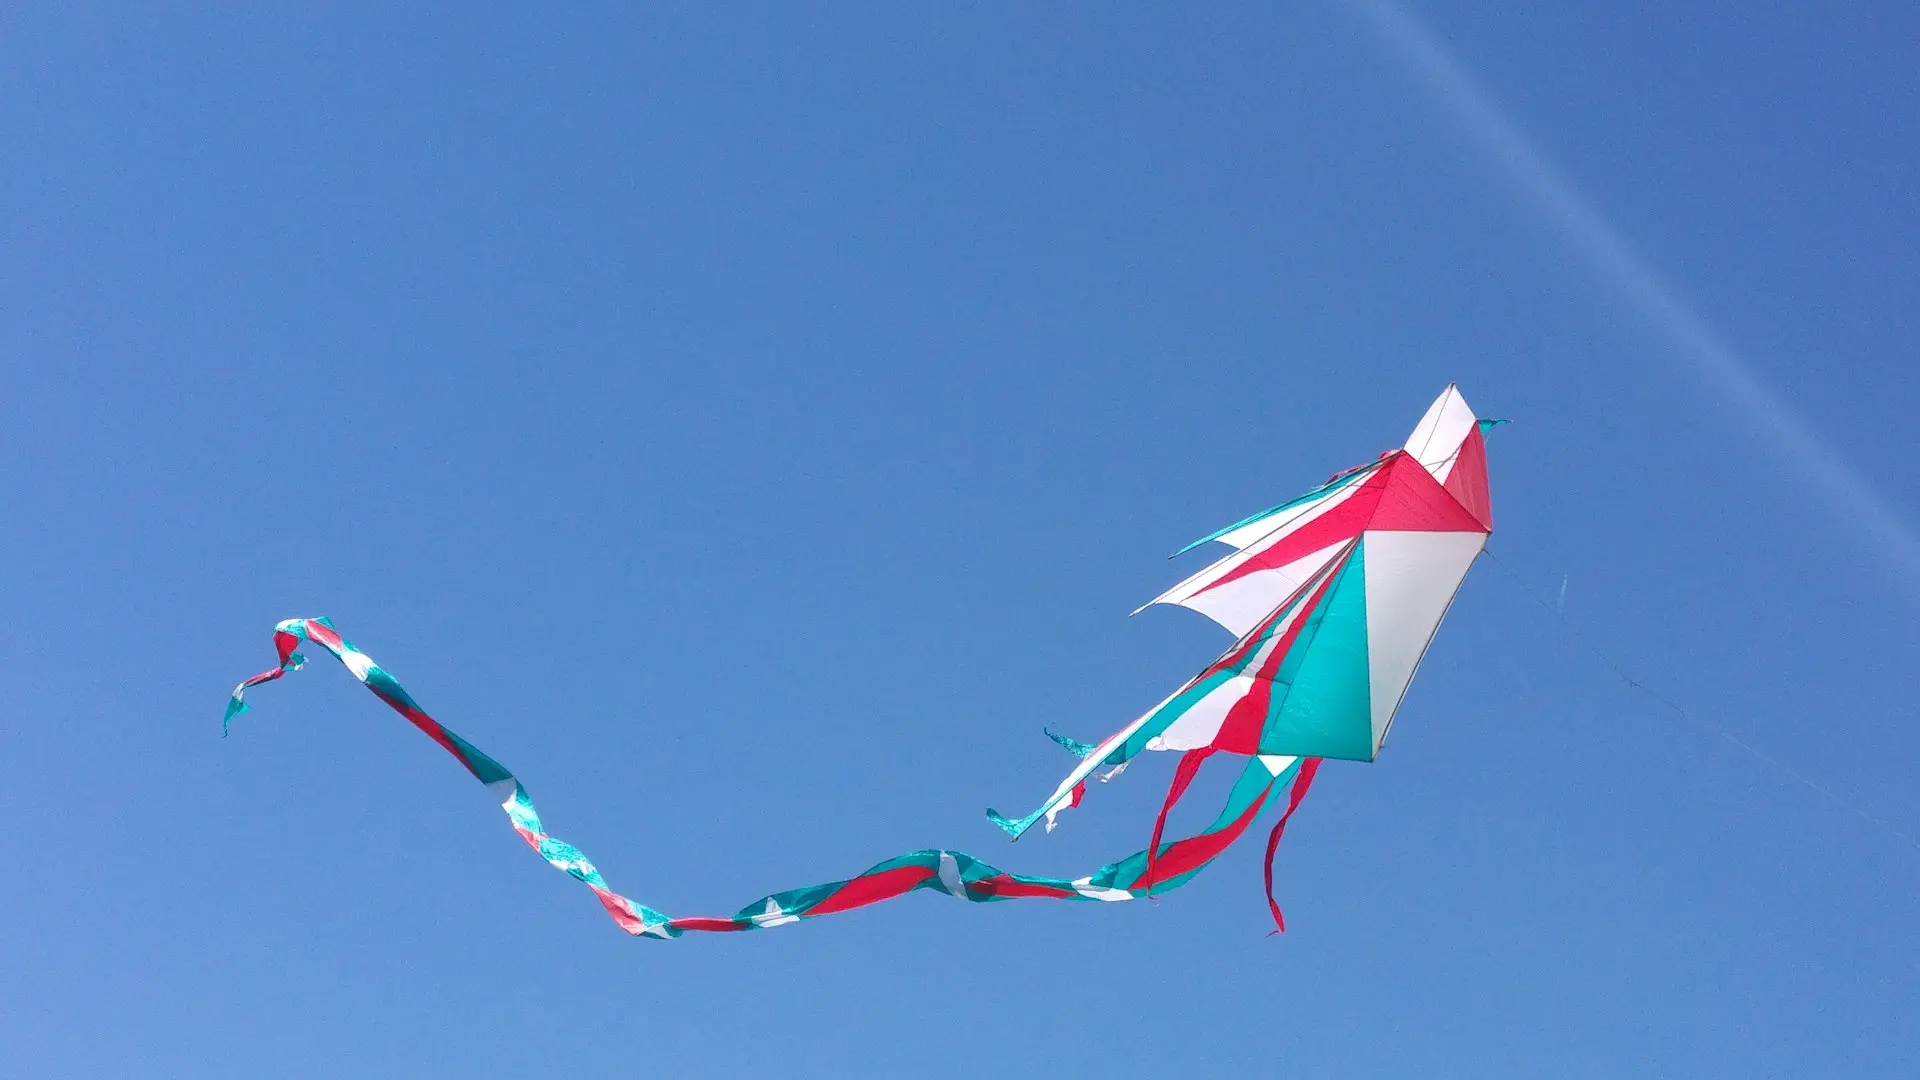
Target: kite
{"type": "Point", "coordinates": [1333, 598]}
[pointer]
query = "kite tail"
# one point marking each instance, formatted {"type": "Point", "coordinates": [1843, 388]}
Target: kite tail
{"type": "Point", "coordinates": [952, 872]}
{"type": "Point", "coordinates": [284, 642]}
{"type": "Point", "coordinates": [633, 918]}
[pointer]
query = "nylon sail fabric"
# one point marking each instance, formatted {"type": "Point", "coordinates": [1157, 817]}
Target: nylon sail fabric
{"type": "Point", "coordinates": [1334, 598]}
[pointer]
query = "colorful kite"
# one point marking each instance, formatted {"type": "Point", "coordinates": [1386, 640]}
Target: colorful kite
{"type": "Point", "coordinates": [1333, 596]}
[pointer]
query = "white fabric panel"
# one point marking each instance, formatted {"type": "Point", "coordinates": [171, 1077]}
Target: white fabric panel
{"type": "Point", "coordinates": [1085, 887]}
{"type": "Point", "coordinates": [1241, 605]}
{"type": "Point", "coordinates": [773, 916]}
{"type": "Point", "coordinates": [1277, 763]}
{"type": "Point", "coordinates": [1252, 540]}
{"type": "Point", "coordinates": [950, 878]}
{"type": "Point", "coordinates": [1105, 746]}
{"type": "Point", "coordinates": [1056, 803]}
{"type": "Point", "coordinates": [1435, 442]}
{"type": "Point", "coordinates": [357, 662]}
{"type": "Point", "coordinates": [1201, 722]}
{"type": "Point", "coordinates": [1411, 579]}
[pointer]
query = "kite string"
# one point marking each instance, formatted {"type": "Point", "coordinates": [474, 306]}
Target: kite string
{"type": "Point", "coordinates": [1685, 713]}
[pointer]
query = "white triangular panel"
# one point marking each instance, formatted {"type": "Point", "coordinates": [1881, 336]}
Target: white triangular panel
{"type": "Point", "coordinates": [1240, 605]}
{"type": "Point", "coordinates": [1435, 442]}
{"type": "Point", "coordinates": [1411, 580]}
{"type": "Point", "coordinates": [1277, 763]}
{"type": "Point", "coordinates": [1198, 726]}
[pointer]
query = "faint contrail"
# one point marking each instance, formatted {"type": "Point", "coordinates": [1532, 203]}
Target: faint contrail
{"type": "Point", "coordinates": [1609, 255]}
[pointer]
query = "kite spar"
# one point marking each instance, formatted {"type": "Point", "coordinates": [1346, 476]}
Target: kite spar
{"type": "Point", "coordinates": [1333, 596]}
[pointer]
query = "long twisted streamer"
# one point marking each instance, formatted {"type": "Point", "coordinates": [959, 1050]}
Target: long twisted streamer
{"type": "Point", "coordinates": [955, 873]}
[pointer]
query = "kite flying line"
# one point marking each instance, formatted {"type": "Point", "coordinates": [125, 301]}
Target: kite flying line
{"type": "Point", "coordinates": [1620, 672]}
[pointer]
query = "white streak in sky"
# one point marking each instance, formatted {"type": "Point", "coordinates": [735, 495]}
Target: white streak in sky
{"type": "Point", "coordinates": [1607, 253]}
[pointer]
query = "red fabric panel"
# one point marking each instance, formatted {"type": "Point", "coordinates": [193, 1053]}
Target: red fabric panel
{"type": "Point", "coordinates": [1194, 851]}
{"type": "Point", "coordinates": [425, 723]}
{"type": "Point", "coordinates": [1012, 888]}
{"type": "Point", "coordinates": [1301, 783]}
{"type": "Point", "coordinates": [1183, 775]}
{"type": "Point", "coordinates": [1343, 522]}
{"type": "Point", "coordinates": [1415, 502]}
{"type": "Point", "coordinates": [1467, 483]}
{"type": "Point", "coordinates": [871, 888]}
{"type": "Point", "coordinates": [701, 922]}
{"type": "Point", "coordinates": [618, 910]}
{"type": "Point", "coordinates": [421, 720]}
{"type": "Point", "coordinates": [1240, 731]}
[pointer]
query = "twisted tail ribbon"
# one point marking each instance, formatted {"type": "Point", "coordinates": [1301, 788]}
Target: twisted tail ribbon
{"type": "Point", "coordinates": [958, 874]}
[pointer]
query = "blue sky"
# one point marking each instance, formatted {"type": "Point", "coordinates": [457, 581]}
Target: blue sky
{"type": "Point", "coordinates": [751, 427]}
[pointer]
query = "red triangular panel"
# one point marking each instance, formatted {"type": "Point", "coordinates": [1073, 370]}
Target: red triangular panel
{"type": "Point", "coordinates": [1414, 501]}
{"type": "Point", "coordinates": [1343, 522]}
{"type": "Point", "coordinates": [1467, 483]}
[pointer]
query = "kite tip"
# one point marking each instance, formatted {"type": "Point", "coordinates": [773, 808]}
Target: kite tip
{"type": "Point", "coordinates": [1013, 829]}
{"type": "Point", "coordinates": [1070, 745]}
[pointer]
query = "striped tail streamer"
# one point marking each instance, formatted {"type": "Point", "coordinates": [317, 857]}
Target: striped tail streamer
{"type": "Point", "coordinates": [952, 872]}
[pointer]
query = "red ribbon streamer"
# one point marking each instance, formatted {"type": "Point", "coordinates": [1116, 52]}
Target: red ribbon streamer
{"type": "Point", "coordinates": [1183, 775]}
{"type": "Point", "coordinates": [1300, 785]}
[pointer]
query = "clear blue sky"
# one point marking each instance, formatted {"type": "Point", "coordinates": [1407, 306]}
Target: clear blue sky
{"type": "Point", "coordinates": [753, 427]}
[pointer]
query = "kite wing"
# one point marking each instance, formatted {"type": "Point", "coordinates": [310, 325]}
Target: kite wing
{"type": "Point", "coordinates": [1278, 549]}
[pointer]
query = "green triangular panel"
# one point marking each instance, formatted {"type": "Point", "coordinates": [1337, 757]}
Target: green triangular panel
{"type": "Point", "coordinates": [1327, 709]}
